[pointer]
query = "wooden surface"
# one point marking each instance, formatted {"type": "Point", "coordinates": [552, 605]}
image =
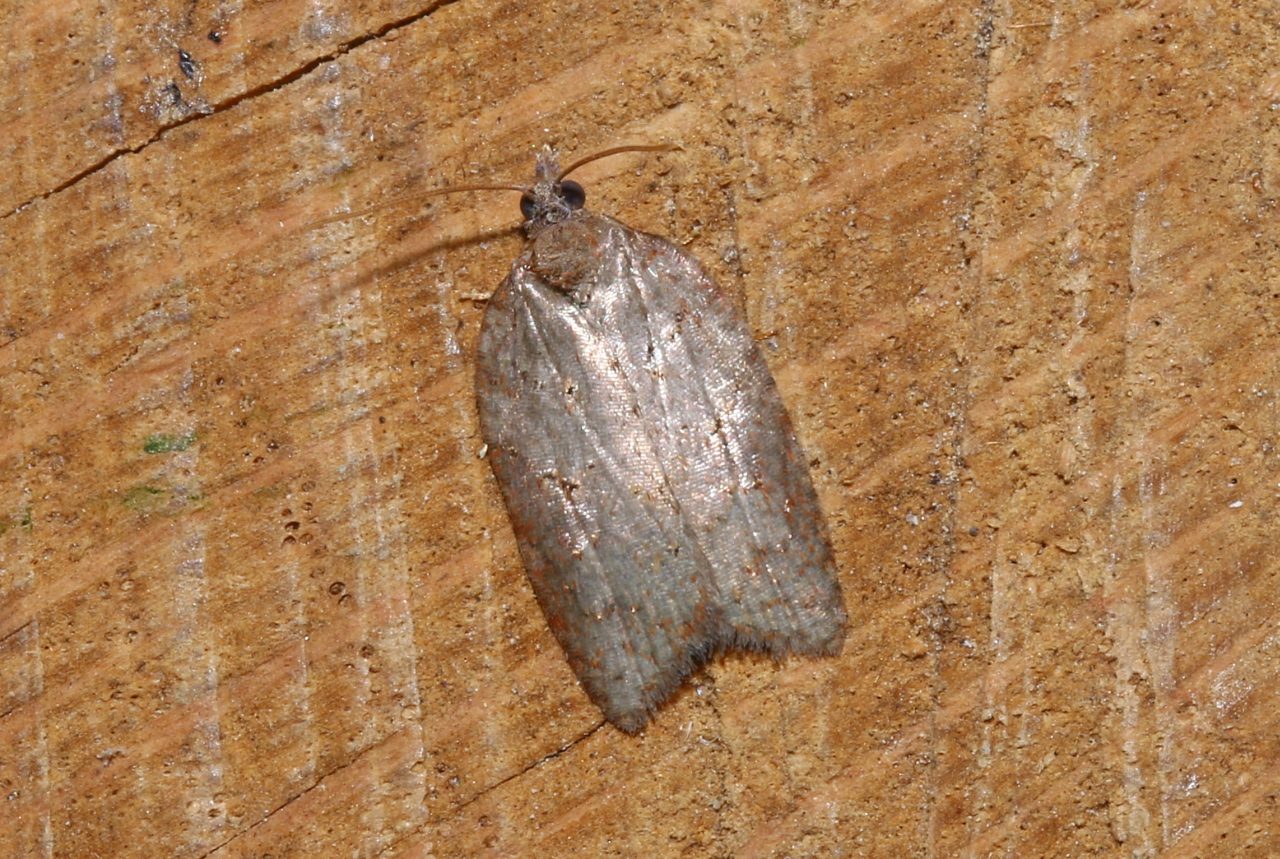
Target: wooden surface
{"type": "Point", "coordinates": [1016, 269]}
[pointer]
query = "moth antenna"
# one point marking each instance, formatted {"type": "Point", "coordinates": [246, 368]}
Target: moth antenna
{"type": "Point", "coordinates": [642, 147]}
{"type": "Point", "coordinates": [417, 195]}
{"type": "Point", "coordinates": [520, 189]}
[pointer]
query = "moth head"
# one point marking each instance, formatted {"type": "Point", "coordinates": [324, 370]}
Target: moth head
{"type": "Point", "coordinates": [552, 198]}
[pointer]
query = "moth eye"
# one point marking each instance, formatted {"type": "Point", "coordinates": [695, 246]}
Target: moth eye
{"type": "Point", "coordinates": [572, 193]}
{"type": "Point", "coordinates": [527, 205]}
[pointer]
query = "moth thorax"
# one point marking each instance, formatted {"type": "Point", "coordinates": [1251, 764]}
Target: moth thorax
{"type": "Point", "coordinates": [567, 256]}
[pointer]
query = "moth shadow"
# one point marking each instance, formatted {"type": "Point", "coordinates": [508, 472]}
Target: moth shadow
{"type": "Point", "coordinates": [704, 682]}
{"type": "Point", "coordinates": [412, 256]}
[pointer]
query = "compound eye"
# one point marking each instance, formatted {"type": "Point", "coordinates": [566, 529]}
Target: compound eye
{"type": "Point", "coordinates": [528, 207]}
{"type": "Point", "coordinates": [572, 193]}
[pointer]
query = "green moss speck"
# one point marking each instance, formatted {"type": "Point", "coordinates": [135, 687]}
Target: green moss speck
{"type": "Point", "coordinates": [143, 497]}
{"type": "Point", "coordinates": [165, 443]}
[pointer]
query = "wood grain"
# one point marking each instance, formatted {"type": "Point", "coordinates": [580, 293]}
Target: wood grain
{"type": "Point", "coordinates": [1016, 270]}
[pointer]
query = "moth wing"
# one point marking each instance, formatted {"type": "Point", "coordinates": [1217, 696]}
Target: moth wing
{"type": "Point", "coordinates": [622, 583]}
{"type": "Point", "coordinates": [729, 452]}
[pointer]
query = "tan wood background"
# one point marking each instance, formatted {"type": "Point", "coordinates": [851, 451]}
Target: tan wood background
{"type": "Point", "coordinates": [1016, 268]}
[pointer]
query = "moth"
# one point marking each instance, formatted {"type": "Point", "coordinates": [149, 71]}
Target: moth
{"type": "Point", "coordinates": [662, 505]}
